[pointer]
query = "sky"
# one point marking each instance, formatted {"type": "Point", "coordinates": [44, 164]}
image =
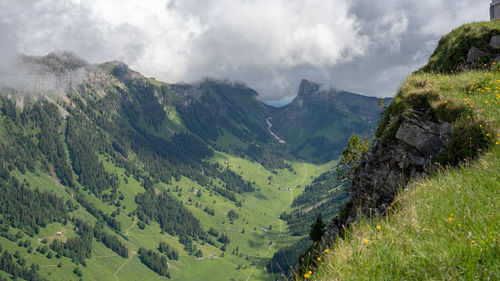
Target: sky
{"type": "Point", "coordinates": [362, 46]}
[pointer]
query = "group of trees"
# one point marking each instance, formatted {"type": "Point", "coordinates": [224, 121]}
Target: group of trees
{"type": "Point", "coordinates": [324, 195]}
{"type": "Point", "coordinates": [32, 137]}
{"type": "Point", "coordinates": [97, 231]}
{"type": "Point", "coordinates": [99, 214]}
{"type": "Point", "coordinates": [232, 215]}
{"type": "Point", "coordinates": [111, 241]}
{"type": "Point", "coordinates": [267, 157]}
{"type": "Point", "coordinates": [47, 117]}
{"type": "Point", "coordinates": [9, 265]}
{"type": "Point", "coordinates": [79, 248]}
{"type": "Point", "coordinates": [28, 209]}
{"type": "Point", "coordinates": [170, 213]}
{"type": "Point", "coordinates": [90, 170]}
{"type": "Point", "coordinates": [352, 155]}
{"type": "Point", "coordinates": [168, 250]}
{"type": "Point", "coordinates": [224, 239]}
{"type": "Point", "coordinates": [209, 211]}
{"type": "Point", "coordinates": [191, 248]}
{"type": "Point", "coordinates": [155, 261]}
{"type": "Point", "coordinates": [214, 232]}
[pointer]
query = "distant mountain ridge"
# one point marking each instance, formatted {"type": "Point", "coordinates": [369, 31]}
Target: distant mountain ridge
{"type": "Point", "coordinates": [315, 125]}
{"type": "Point", "coordinates": [318, 122]}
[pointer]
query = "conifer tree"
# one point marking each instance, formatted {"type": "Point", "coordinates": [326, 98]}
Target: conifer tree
{"type": "Point", "coordinates": [317, 229]}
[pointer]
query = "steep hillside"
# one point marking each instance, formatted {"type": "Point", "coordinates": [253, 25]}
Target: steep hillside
{"type": "Point", "coordinates": [318, 123]}
{"type": "Point", "coordinates": [108, 175]}
{"type": "Point", "coordinates": [439, 141]}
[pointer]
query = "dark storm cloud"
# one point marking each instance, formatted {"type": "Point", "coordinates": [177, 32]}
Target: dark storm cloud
{"type": "Point", "coordinates": [365, 46]}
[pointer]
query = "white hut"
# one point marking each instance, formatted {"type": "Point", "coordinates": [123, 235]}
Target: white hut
{"type": "Point", "coordinates": [495, 9]}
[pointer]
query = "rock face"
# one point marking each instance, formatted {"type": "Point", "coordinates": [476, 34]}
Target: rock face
{"type": "Point", "coordinates": [307, 88]}
{"type": "Point", "coordinates": [475, 54]}
{"type": "Point", "coordinates": [495, 41]}
{"type": "Point", "coordinates": [391, 163]}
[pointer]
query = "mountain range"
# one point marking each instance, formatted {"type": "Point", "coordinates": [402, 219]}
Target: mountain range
{"type": "Point", "coordinates": [109, 174]}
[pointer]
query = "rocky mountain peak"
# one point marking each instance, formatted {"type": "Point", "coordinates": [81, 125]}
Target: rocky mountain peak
{"type": "Point", "coordinates": [55, 62]}
{"type": "Point", "coordinates": [307, 88]}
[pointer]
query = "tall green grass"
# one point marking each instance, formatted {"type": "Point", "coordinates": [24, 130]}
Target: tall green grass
{"type": "Point", "coordinates": [444, 227]}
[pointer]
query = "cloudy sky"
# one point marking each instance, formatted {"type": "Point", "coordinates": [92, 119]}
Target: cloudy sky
{"type": "Point", "coordinates": [364, 46]}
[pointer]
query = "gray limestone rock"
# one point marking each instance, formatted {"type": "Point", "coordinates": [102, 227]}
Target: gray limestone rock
{"type": "Point", "coordinates": [475, 53]}
{"type": "Point", "coordinates": [392, 163]}
{"type": "Point", "coordinates": [495, 41]}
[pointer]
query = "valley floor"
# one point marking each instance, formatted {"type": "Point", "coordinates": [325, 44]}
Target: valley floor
{"type": "Point", "coordinates": [255, 235]}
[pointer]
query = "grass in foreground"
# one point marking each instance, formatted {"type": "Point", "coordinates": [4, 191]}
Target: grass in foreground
{"type": "Point", "coordinates": [445, 227]}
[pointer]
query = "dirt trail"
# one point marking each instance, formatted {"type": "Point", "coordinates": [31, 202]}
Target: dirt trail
{"type": "Point", "coordinates": [123, 265]}
{"type": "Point", "coordinates": [130, 227]}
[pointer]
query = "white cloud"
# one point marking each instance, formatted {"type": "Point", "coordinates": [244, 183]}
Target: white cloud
{"type": "Point", "coordinates": [389, 28]}
{"type": "Point", "coordinates": [270, 45]}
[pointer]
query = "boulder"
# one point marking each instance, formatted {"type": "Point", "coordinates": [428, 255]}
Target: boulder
{"type": "Point", "coordinates": [391, 163]}
{"type": "Point", "coordinates": [475, 53]}
{"type": "Point", "coordinates": [495, 41]}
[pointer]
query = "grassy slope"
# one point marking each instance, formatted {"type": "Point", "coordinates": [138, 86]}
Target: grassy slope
{"type": "Point", "coordinates": [445, 227]}
{"type": "Point", "coordinates": [253, 243]}
{"type": "Point", "coordinates": [453, 48]}
{"type": "Point", "coordinates": [260, 209]}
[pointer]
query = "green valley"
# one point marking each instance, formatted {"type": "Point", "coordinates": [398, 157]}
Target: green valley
{"type": "Point", "coordinates": [120, 177]}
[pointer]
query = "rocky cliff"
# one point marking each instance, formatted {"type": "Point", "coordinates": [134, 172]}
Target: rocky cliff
{"type": "Point", "coordinates": [423, 128]}
{"type": "Point", "coordinates": [391, 163]}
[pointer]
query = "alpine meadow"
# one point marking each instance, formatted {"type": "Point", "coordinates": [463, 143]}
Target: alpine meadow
{"type": "Point", "coordinates": [108, 173]}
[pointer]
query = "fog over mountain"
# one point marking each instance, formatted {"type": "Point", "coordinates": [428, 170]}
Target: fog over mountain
{"type": "Point", "coordinates": [360, 46]}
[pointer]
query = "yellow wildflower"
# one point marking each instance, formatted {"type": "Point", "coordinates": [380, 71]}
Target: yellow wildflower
{"type": "Point", "coordinates": [306, 275]}
{"type": "Point", "coordinates": [366, 241]}
{"type": "Point", "coordinates": [379, 227]}
{"type": "Point", "coordinates": [326, 250]}
{"type": "Point", "coordinates": [319, 259]}
{"type": "Point", "coordinates": [450, 219]}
